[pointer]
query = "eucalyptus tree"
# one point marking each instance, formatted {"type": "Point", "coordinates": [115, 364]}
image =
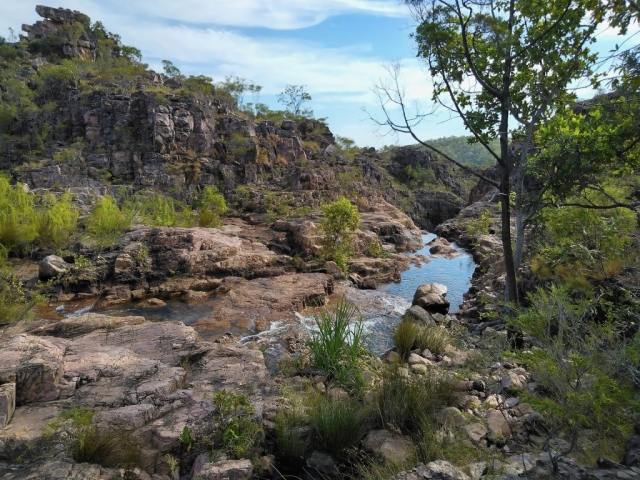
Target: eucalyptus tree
{"type": "Point", "coordinates": [504, 67]}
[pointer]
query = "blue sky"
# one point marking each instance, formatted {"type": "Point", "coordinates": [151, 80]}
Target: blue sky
{"type": "Point", "coordinates": [336, 48]}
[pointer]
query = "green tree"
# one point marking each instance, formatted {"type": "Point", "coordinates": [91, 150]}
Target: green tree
{"type": "Point", "coordinates": [293, 98]}
{"type": "Point", "coordinates": [170, 70]}
{"type": "Point", "coordinates": [504, 68]}
{"type": "Point", "coordinates": [341, 220]}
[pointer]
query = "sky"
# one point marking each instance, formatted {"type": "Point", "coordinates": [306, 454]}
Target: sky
{"type": "Point", "coordinates": [337, 49]}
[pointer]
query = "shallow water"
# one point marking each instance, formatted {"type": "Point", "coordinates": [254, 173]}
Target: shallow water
{"type": "Point", "coordinates": [455, 273]}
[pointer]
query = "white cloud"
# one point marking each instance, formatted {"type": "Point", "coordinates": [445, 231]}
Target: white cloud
{"type": "Point", "coordinates": [272, 14]}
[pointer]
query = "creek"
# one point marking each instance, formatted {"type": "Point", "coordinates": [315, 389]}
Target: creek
{"type": "Point", "coordinates": [381, 309]}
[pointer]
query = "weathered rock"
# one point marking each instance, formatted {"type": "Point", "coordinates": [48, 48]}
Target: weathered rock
{"type": "Point", "coordinates": [83, 324]}
{"type": "Point", "coordinates": [253, 305]}
{"type": "Point", "coordinates": [35, 365]}
{"type": "Point", "coordinates": [7, 402]}
{"type": "Point", "coordinates": [62, 470]}
{"type": "Point", "coordinates": [323, 463]}
{"type": "Point", "coordinates": [430, 288]}
{"type": "Point", "coordinates": [476, 432]}
{"type": "Point", "coordinates": [415, 359]}
{"type": "Point", "coordinates": [497, 426]}
{"type": "Point", "coordinates": [337, 395]}
{"type": "Point", "coordinates": [438, 470]}
{"type": "Point", "coordinates": [442, 248]}
{"type": "Point", "coordinates": [130, 376]}
{"type": "Point", "coordinates": [52, 266]}
{"type": "Point", "coordinates": [450, 417]}
{"type": "Point", "coordinates": [421, 315]}
{"type": "Point", "coordinates": [432, 302]}
{"type": "Point", "coordinates": [388, 445]}
{"type": "Point", "coordinates": [225, 470]}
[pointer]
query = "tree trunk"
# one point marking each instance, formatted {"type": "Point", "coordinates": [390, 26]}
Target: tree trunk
{"type": "Point", "coordinates": [511, 289]}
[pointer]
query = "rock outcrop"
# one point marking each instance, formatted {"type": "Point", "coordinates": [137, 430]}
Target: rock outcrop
{"type": "Point", "coordinates": [148, 378]}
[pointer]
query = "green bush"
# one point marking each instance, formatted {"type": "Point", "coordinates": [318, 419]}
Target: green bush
{"type": "Point", "coordinates": [107, 221]}
{"type": "Point", "coordinates": [15, 301]}
{"type": "Point", "coordinates": [211, 206]}
{"type": "Point", "coordinates": [58, 223]}
{"type": "Point", "coordinates": [338, 345]}
{"type": "Point", "coordinates": [582, 368]}
{"type": "Point", "coordinates": [159, 211]}
{"type": "Point", "coordinates": [292, 435]}
{"type": "Point", "coordinates": [18, 216]}
{"type": "Point", "coordinates": [235, 428]}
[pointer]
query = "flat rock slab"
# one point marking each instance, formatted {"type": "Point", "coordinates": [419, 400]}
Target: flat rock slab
{"type": "Point", "coordinates": [252, 305]}
{"type": "Point", "coordinates": [388, 445]}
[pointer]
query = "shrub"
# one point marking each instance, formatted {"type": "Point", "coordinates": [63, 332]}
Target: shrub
{"type": "Point", "coordinates": [15, 302]}
{"type": "Point", "coordinates": [292, 435]}
{"type": "Point", "coordinates": [107, 221]}
{"type": "Point", "coordinates": [336, 426]}
{"type": "Point", "coordinates": [211, 205]}
{"type": "Point", "coordinates": [18, 216]}
{"type": "Point", "coordinates": [159, 211]}
{"type": "Point", "coordinates": [235, 427]}
{"type": "Point", "coordinates": [338, 345]}
{"type": "Point", "coordinates": [341, 220]}
{"type": "Point", "coordinates": [582, 368]}
{"type": "Point", "coordinates": [58, 223]}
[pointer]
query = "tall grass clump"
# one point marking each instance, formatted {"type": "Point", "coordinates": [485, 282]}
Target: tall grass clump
{"type": "Point", "coordinates": [405, 337]}
{"type": "Point", "coordinates": [292, 433]}
{"type": "Point", "coordinates": [338, 345]}
{"type": "Point", "coordinates": [211, 206]}
{"type": "Point", "coordinates": [410, 405]}
{"type": "Point", "coordinates": [89, 444]}
{"type": "Point", "coordinates": [337, 426]}
{"type": "Point", "coordinates": [433, 338]}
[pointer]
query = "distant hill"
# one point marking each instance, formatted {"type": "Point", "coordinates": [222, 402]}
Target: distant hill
{"type": "Point", "coordinates": [468, 153]}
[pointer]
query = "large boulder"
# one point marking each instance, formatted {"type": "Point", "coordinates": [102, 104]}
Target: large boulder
{"type": "Point", "coordinates": [52, 266]}
{"type": "Point", "coordinates": [431, 297]}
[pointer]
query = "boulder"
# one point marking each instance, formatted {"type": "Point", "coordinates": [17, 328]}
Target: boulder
{"type": "Point", "coordinates": [420, 315]}
{"type": "Point", "coordinates": [430, 288]}
{"type": "Point", "coordinates": [35, 365]}
{"type": "Point", "coordinates": [497, 426]}
{"type": "Point", "coordinates": [450, 417]}
{"type": "Point", "coordinates": [432, 302]}
{"type": "Point", "coordinates": [52, 266]}
{"type": "Point", "coordinates": [388, 445]}
{"type": "Point", "coordinates": [323, 463]}
{"type": "Point", "coordinates": [476, 432]}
